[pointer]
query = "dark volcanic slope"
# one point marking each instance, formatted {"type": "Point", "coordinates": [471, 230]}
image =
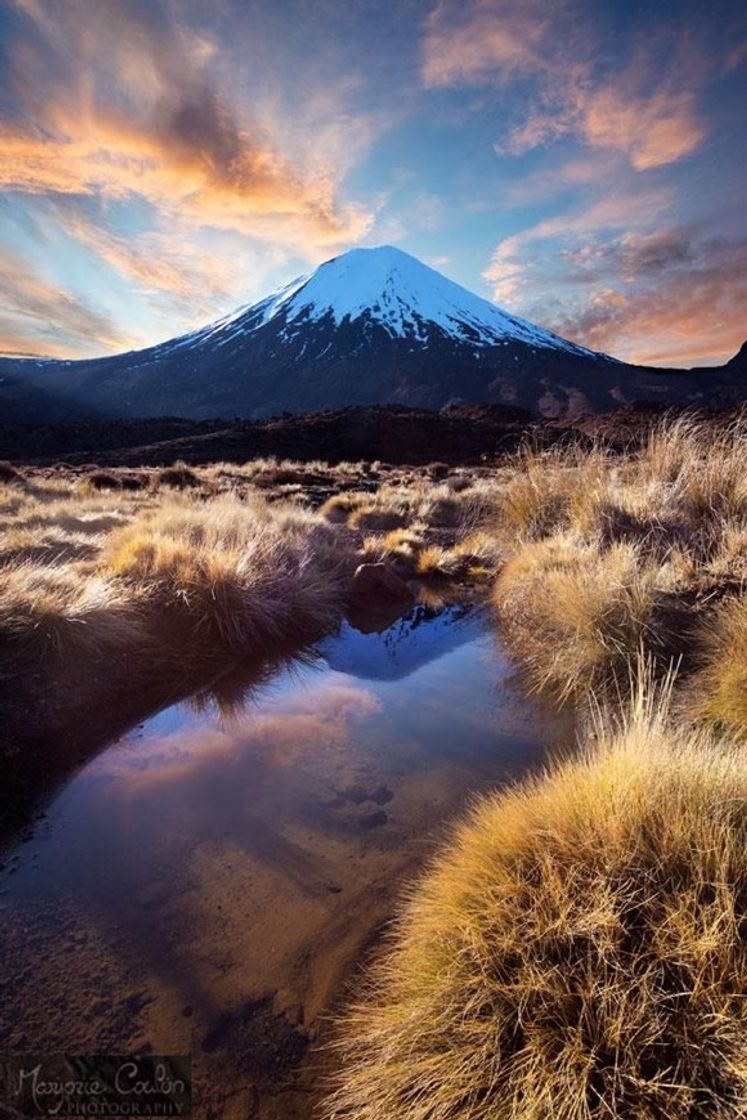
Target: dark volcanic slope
{"type": "Point", "coordinates": [371, 327]}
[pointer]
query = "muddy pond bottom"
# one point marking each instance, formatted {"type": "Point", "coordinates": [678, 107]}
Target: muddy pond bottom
{"type": "Point", "coordinates": [208, 882]}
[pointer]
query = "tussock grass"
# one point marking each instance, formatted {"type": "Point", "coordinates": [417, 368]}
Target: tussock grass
{"type": "Point", "coordinates": [338, 507]}
{"type": "Point", "coordinates": [444, 511]}
{"type": "Point", "coordinates": [435, 562]}
{"type": "Point", "coordinates": [374, 515]}
{"type": "Point", "coordinates": [604, 554]}
{"type": "Point", "coordinates": [538, 487]}
{"type": "Point", "coordinates": [576, 613]}
{"type": "Point", "coordinates": [213, 557]}
{"type": "Point", "coordinates": [179, 476]}
{"type": "Point", "coordinates": [438, 470]}
{"type": "Point", "coordinates": [49, 610]}
{"type": "Point", "coordinates": [415, 503]}
{"type": "Point", "coordinates": [577, 952]}
{"type": "Point", "coordinates": [400, 547]}
{"type": "Point", "coordinates": [718, 691]}
{"type": "Point", "coordinates": [100, 571]}
{"type": "Point", "coordinates": [238, 572]}
{"type": "Point", "coordinates": [103, 480]}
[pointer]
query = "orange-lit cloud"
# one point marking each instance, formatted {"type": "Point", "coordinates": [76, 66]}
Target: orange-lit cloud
{"type": "Point", "coordinates": [663, 296]}
{"type": "Point", "coordinates": [263, 782]}
{"type": "Point", "coordinates": [663, 299]}
{"type": "Point", "coordinates": [254, 192]}
{"type": "Point", "coordinates": [124, 103]}
{"type": "Point", "coordinates": [482, 40]}
{"type": "Point", "coordinates": [37, 316]}
{"type": "Point", "coordinates": [644, 111]}
{"type": "Point", "coordinates": [652, 130]}
{"type": "Point", "coordinates": [655, 129]}
{"type": "Point", "coordinates": [173, 266]}
{"type": "Point", "coordinates": [294, 730]}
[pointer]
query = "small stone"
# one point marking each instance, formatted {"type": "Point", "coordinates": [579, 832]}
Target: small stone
{"type": "Point", "coordinates": [373, 583]}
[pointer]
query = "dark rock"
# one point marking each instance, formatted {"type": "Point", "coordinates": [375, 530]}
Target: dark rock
{"type": "Point", "coordinates": [378, 585]}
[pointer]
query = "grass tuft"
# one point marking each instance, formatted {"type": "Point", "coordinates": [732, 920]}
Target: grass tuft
{"type": "Point", "coordinates": [376, 517]}
{"type": "Point", "coordinates": [103, 480]}
{"type": "Point", "coordinates": [576, 614]}
{"type": "Point", "coordinates": [179, 476]}
{"type": "Point", "coordinates": [718, 691]}
{"type": "Point", "coordinates": [577, 952]}
{"type": "Point", "coordinates": [605, 554]}
{"type": "Point", "coordinates": [242, 573]}
{"type": "Point", "coordinates": [338, 508]}
{"type": "Point", "coordinates": [51, 610]}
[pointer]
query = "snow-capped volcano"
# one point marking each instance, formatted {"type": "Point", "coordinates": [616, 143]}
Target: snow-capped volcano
{"type": "Point", "coordinates": [372, 326]}
{"type": "Point", "coordinates": [405, 296]}
{"type": "Point", "coordinates": [391, 289]}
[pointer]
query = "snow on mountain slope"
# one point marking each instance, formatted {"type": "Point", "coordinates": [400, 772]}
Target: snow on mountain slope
{"type": "Point", "coordinates": [392, 289]}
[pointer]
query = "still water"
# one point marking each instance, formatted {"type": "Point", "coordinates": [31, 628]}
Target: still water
{"type": "Point", "coordinates": [208, 882]}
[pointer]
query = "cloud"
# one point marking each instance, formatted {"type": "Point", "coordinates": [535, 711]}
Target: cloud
{"type": "Point", "coordinates": [190, 278]}
{"type": "Point", "coordinates": [479, 41]}
{"type": "Point", "coordinates": [652, 129]}
{"type": "Point", "coordinates": [262, 746]}
{"type": "Point", "coordinates": [632, 256]}
{"type": "Point", "coordinates": [256, 193]}
{"type": "Point", "coordinates": [35, 312]}
{"type": "Point", "coordinates": [510, 268]}
{"type": "Point", "coordinates": [121, 129]}
{"type": "Point", "coordinates": [651, 295]}
{"type": "Point", "coordinates": [124, 104]}
{"type": "Point", "coordinates": [643, 110]}
{"type": "Point", "coordinates": [667, 298]}
{"type": "Point", "coordinates": [261, 782]}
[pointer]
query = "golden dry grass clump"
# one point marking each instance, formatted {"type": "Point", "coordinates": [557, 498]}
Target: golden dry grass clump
{"type": "Point", "coordinates": [210, 555]}
{"type": "Point", "coordinates": [156, 573]}
{"type": "Point", "coordinates": [576, 613]}
{"type": "Point", "coordinates": [54, 610]}
{"type": "Point", "coordinates": [339, 507]}
{"type": "Point", "coordinates": [578, 952]}
{"type": "Point", "coordinates": [415, 502]}
{"type": "Point", "coordinates": [604, 554]}
{"type": "Point", "coordinates": [718, 690]}
{"type": "Point", "coordinates": [243, 572]}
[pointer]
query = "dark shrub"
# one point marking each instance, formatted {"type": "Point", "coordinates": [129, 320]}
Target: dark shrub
{"type": "Point", "coordinates": [179, 475]}
{"type": "Point", "coordinates": [438, 471]}
{"type": "Point", "coordinates": [8, 473]}
{"type": "Point", "coordinates": [103, 480]}
{"type": "Point", "coordinates": [133, 481]}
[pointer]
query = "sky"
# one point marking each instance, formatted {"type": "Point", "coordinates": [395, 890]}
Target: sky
{"type": "Point", "coordinates": [580, 162]}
